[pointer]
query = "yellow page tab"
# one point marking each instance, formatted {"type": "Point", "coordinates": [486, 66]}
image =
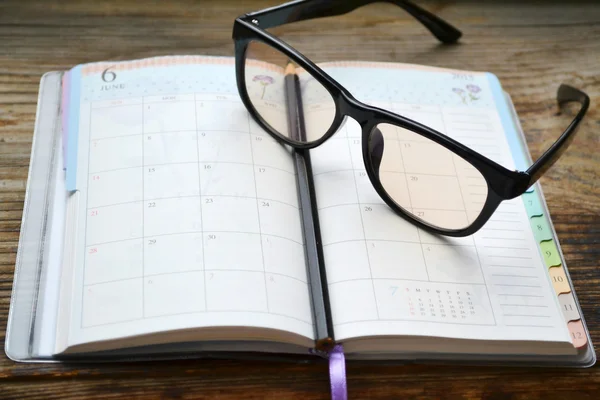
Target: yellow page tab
{"type": "Point", "coordinates": [559, 280]}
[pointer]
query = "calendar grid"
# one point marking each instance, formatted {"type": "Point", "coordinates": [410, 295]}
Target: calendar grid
{"type": "Point", "coordinates": [227, 183]}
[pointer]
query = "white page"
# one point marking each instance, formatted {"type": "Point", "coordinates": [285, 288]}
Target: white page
{"type": "Point", "coordinates": [388, 277]}
{"type": "Point", "coordinates": [191, 212]}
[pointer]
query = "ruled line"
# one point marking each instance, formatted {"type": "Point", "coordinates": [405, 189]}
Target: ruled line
{"type": "Point", "coordinates": [525, 305]}
{"type": "Point", "coordinates": [513, 285]}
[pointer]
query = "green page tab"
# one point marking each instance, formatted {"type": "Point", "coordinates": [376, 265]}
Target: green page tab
{"type": "Point", "coordinates": [541, 229]}
{"type": "Point", "coordinates": [550, 253]}
{"type": "Point", "coordinates": [532, 204]}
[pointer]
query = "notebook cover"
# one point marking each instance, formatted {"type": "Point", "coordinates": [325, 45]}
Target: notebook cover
{"type": "Point", "coordinates": [33, 249]}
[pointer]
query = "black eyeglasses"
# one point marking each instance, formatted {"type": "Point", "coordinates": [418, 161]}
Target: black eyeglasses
{"type": "Point", "coordinates": [256, 50]}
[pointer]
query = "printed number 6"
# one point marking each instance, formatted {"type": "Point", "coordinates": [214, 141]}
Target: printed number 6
{"type": "Point", "coordinates": [108, 76]}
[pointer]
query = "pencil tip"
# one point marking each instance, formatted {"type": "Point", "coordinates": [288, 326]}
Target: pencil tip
{"type": "Point", "coordinates": [290, 69]}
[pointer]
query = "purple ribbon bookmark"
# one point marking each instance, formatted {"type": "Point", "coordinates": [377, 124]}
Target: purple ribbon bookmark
{"type": "Point", "coordinates": [337, 373]}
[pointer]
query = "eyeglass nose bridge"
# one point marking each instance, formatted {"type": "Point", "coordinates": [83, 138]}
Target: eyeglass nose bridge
{"type": "Point", "coordinates": [349, 107]}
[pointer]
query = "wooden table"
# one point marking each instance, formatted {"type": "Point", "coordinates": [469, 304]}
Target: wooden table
{"type": "Point", "coordinates": [531, 47]}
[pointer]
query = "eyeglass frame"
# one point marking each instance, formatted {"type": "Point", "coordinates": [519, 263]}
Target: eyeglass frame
{"type": "Point", "coordinates": [503, 184]}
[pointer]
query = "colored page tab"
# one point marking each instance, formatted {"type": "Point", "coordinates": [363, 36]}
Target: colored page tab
{"type": "Point", "coordinates": [541, 228]}
{"type": "Point", "coordinates": [559, 280]}
{"type": "Point", "coordinates": [533, 204]}
{"type": "Point", "coordinates": [577, 334]}
{"type": "Point", "coordinates": [550, 253]}
{"type": "Point", "coordinates": [568, 307]}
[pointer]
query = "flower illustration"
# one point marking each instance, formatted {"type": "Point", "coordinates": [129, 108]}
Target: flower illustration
{"type": "Point", "coordinates": [473, 90]}
{"type": "Point", "coordinates": [264, 80]}
{"type": "Point", "coordinates": [468, 95]}
{"type": "Point", "coordinates": [461, 93]}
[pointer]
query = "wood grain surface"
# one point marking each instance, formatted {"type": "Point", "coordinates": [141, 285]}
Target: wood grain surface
{"type": "Point", "coordinates": [531, 46]}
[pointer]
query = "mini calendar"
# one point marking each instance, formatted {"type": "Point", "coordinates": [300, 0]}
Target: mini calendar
{"type": "Point", "coordinates": [435, 302]}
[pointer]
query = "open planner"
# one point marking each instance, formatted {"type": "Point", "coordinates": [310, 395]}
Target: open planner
{"type": "Point", "coordinates": [161, 221]}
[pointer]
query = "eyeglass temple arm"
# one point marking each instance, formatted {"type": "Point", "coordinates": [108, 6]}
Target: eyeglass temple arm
{"type": "Point", "coordinates": [565, 94]}
{"type": "Point", "coordinates": [307, 9]}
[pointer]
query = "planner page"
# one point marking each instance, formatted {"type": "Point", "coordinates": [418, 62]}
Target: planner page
{"type": "Point", "coordinates": [188, 212]}
{"type": "Point", "coordinates": [388, 277]}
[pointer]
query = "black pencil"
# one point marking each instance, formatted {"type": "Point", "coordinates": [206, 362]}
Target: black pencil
{"type": "Point", "coordinates": [314, 253]}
